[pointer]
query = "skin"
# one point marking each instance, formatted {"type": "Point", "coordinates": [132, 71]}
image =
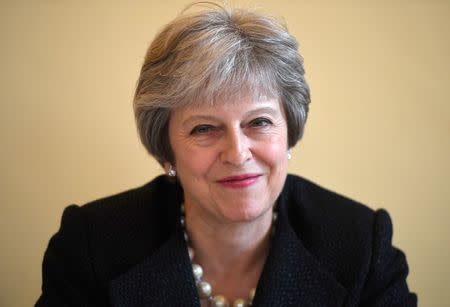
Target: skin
{"type": "Point", "coordinates": [231, 159]}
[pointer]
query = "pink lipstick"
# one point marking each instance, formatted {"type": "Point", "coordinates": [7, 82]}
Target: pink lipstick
{"type": "Point", "coordinates": [240, 181]}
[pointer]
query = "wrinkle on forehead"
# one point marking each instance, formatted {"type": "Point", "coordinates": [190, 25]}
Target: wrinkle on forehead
{"type": "Point", "coordinates": [231, 96]}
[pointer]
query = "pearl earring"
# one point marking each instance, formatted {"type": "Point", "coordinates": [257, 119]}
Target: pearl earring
{"type": "Point", "coordinates": [171, 172]}
{"type": "Point", "coordinates": [289, 154]}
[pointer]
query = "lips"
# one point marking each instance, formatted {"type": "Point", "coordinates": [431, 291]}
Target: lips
{"type": "Point", "coordinates": [239, 181]}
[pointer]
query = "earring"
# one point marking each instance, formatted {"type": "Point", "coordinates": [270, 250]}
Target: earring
{"type": "Point", "coordinates": [172, 172]}
{"type": "Point", "coordinates": [289, 154]}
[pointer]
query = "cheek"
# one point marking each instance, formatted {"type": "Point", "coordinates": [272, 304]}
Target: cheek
{"type": "Point", "coordinates": [194, 163]}
{"type": "Point", "coordinates": [274, 152]}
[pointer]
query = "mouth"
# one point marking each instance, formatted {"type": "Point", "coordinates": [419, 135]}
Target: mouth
{"type": "Point", "coordinates": [239, 181]}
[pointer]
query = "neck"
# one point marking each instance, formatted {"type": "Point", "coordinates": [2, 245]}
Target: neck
{"type": "Point", "coordinates": [232, 254]}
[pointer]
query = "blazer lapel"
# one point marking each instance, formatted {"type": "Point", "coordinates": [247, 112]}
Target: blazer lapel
{"type": "Point", "coordinates": [164, 279]}
{"type": "Point", "coordinates": [292, 276]}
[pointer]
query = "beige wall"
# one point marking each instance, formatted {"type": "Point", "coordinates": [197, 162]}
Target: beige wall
{"type": "Point", "coordinates": [378, 129]}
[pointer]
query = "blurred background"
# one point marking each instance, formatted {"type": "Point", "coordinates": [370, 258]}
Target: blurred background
{"type": "Point", "coordinates": [378, 131]}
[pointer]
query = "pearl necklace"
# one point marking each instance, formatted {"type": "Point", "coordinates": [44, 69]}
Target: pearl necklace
{"type": "Point", "coordinates": [203, 287]}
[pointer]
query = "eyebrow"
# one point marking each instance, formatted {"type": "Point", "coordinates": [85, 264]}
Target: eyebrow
{"type": "Point", "coordinates": [271, 111]}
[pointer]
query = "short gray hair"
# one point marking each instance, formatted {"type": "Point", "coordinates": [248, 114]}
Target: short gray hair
{"type": "Point", "coordinates": [212, 53]}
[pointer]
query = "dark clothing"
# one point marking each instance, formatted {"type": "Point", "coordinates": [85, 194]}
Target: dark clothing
{"type": "Point", "coordinates": [129, 250]}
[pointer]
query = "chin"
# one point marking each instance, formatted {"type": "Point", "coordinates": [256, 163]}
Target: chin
{"type": "Point", "coordinates": [245, 213]}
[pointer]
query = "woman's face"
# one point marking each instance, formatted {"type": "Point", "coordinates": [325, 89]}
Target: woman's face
{"type": "Point", "coordinates": [231, 158]}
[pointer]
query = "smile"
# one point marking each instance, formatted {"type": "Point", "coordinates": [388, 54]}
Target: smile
{"type": "Point", "coordinates": [240, 181]}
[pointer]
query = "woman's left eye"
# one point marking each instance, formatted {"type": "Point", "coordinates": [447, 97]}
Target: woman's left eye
{"type": "Point", "coordinates": [260, 122]}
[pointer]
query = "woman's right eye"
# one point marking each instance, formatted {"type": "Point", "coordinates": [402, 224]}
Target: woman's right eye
{"type": "Point", "coordinates": [202, 129]}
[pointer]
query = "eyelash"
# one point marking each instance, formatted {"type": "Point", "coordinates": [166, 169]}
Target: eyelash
{"type": "Point", "coordinates": [260, 122]}
{"type": "Point", "coordinates": [205, 128]}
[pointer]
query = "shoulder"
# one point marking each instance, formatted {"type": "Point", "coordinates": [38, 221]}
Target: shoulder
{"type": "Point", "coordinates": [350, 241]}
{"type": "Point", "coordinates": [150, 203]}
{"type": "Point", "coordinates": [320, 213]}
{"type": "Point", "coordinates": [101, 240]}
{"type": "Point", "coordinates": [335, 229]}
{"type": "Point", "coordinates": [159, 190]}
{"type": "Point", "coordinates": [317, 203]}
{"type": "Point", "coordinates": [124, 228]}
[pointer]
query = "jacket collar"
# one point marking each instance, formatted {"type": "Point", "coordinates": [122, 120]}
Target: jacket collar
{"type": "Point", "coordinates": [291, 276]}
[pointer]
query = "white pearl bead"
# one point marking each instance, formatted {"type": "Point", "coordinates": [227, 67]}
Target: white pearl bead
{"type": "Point", "coordinates": [182, 221]}
{"type": "Point", "coordinates": [219, 301]}
{"type": "Point", "coordinates": [239, 303]}
{"type": "Point", "coordinates": [252, 294]}
{"type": "Point", "coordinates": [204, 289]}
{"type": "Point", "coordinates": [186, 237]}
{"type": "Point", "coordinates": [197, 270]}
{"type": "Point", "coordinates": [191, 253]}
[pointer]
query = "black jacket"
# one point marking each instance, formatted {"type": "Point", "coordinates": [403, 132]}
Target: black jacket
{"type": "Point", "coordinates": [128, 250]}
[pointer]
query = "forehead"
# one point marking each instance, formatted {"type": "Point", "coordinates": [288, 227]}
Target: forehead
{"type": "Point", "coordinates": [239, 106]}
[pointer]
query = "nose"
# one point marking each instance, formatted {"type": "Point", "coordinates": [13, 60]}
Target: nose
{"type": "Point", "coordinates": [236, 150]}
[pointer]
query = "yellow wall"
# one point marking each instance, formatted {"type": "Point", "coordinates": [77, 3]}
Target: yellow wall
{"type": "Point", "coordinates": [378, 129]}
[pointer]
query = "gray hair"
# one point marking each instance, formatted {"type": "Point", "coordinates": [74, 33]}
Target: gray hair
{"type": "Point", "coordinates": [218, 52]}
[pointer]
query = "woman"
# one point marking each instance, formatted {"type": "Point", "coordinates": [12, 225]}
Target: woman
{"type": "Point", "coordinates": [220, 101]}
